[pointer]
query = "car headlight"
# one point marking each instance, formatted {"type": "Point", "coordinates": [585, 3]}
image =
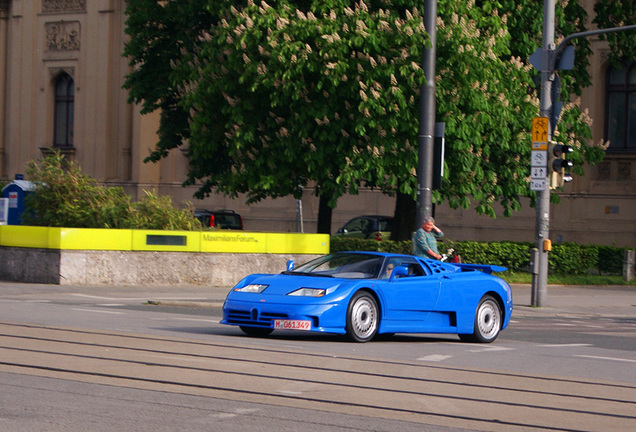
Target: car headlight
{"type": "Point", "coordinates": [252, 288]}
{"type": "Point", "coordinates": [308, 292]}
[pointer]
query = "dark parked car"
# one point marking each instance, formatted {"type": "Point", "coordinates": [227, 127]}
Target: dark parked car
{"type": "Point", "coordinates": [220, 219]}
{"type": "Point", "coordinates": [368, 227]}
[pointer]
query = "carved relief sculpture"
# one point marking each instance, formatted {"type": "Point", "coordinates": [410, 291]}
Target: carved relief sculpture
{"type": "Point", "coordinates": [54, 6]}
{"type": "Point", "coordinates": [62, 36]}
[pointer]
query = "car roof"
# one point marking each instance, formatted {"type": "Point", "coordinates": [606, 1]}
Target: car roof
{"type": "Point", "coordinates": [371, 217]}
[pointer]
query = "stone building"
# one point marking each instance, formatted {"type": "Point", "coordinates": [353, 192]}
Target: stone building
{"type": "Point", "coordinates": [61, 77]}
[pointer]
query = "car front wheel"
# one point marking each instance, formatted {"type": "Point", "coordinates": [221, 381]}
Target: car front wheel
{"type": "Point", "coordinates": [487, 322]}
{"type": "Point", "coordinates": [362, 317]}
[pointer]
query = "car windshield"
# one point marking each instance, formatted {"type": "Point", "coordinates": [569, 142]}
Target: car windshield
{"type": "Point", "coordinates": [228, 221]}
{"type": "Point", "coordinates": [342, 265]}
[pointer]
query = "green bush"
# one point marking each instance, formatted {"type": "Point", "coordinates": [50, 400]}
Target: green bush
{"type": "Point", "coordinates": [153, 212]}
{"type": "Point", "coordinates": [610, 259]}
{"type": "Point", "coordinates": [570, 258]}
{"type": "Point", "coordinates": [65, 197]}
{"type": "Point", "coordinates": [340, 244]}
{"type": "Point", "coordinates": [567, 258]}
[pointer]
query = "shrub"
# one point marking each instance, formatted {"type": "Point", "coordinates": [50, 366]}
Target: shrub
{"type": "Point", "coordinates": [567, 258]}
{"type": "Point", "coordinates": [65, 197]}
{"type": "Point", "coordinates": [153, 212]}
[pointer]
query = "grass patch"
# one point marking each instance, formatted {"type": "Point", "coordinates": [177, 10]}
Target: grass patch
{"type": "Point", "coordinates": [558, 279]}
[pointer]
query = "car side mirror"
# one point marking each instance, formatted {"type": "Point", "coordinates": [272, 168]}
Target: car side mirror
{"type": "Point", "coordinates": [399, 271]}
{"type": "Point", "coordinates": [290, 265]}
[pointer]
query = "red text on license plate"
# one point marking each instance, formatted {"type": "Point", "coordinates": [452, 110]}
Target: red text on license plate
{"type": "Point", "coordinates": [291, 325]}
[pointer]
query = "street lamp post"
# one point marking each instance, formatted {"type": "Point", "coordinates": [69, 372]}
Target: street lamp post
{"type": "Point", "coordinates": [426, 128]}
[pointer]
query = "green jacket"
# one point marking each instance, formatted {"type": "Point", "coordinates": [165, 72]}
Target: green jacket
{"type": "Point", "coordinates": [424, 242]}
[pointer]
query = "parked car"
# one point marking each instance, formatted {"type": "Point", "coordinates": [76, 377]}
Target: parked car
{"type": "Point", "coordinates": [221, 219]}
{"type": "Point", "coordinates": [362, 294]}
{"type": "Point", "coordinates": [368, 227]}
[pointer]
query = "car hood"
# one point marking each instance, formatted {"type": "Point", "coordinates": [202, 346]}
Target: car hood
{"type": "Point", "coordinates": [284, 284]}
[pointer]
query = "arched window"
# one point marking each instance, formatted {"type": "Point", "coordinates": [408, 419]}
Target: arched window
{"type": "Point", "coordinates": [620, 124]}
{"type": "Point", "coordinates": [64, 107]}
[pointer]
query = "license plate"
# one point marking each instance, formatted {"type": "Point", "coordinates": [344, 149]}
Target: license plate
{"type": "Point", "coordinates": [291, 324]}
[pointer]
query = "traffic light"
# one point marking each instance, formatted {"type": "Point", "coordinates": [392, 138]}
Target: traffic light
{"type": "Point", "coordinates": [559, 164]}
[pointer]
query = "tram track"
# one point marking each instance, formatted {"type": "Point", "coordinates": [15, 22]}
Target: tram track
{"type": "Point", "coordinates": [432, 394]}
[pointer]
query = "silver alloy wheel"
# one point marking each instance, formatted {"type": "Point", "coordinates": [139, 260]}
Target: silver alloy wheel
{"type": "Point", "coordinates": [488, 320]}
{"type": "Point", "coordinates": [363, 318]}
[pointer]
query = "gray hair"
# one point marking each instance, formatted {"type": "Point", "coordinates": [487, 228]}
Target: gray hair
{"type": "Point", "coordinates": [429, 219]}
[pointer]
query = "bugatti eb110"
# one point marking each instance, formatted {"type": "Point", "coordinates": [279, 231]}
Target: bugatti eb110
{"type": "Point", "coordinates": [364, 294]}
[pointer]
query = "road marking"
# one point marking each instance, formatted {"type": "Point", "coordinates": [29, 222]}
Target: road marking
{"type": "Point", "coordinates": [99, 297]}
{"type": "Point", "coordinates": [98, 311]}
{"type": "Point", "coordinates": [289, 392]}
{"type": "Point", "coordinates": [197, 319]}
{"type": "Point", "coordinates": [493, 348]}
{"type": "Point", "coordinates": [222, 416]}
{"type": "Point", "coordinates": [607, 358]}
{"type": "Point", "coordinates": [435, 357]}
{"type": "Point", "coordinates": [563, 345]}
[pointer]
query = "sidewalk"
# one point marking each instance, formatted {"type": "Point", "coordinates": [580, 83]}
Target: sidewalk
{"type": "Point", "coordinates": [575, 300]}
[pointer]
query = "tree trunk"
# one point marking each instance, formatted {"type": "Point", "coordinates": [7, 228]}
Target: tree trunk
{"type": "Point", "coordinates": [324, 216]}
{"type": "Point", "coordinates": [404, 217]}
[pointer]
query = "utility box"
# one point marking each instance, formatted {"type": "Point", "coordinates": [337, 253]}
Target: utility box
{"type": "Point", "coordinates": [4, 210]}
{"type": "Point", "coordinates": [16, 192]}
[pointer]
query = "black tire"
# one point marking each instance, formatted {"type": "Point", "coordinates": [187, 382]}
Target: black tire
{"type": "Point", "coordinates": [362, 317]}
{"type": "Point", "coordinates": [256, 331]}
{"type": "Point", "coordinates": [487, 322]}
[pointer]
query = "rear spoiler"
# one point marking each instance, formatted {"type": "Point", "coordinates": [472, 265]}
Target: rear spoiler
{"type": "Point", "coordinates": [486, 268]}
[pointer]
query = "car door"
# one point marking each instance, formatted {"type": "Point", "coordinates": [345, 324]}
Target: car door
{"type": "Point", "coordinates": [357, 228]}
{"type": "Point", "coordinates": [410, 298]}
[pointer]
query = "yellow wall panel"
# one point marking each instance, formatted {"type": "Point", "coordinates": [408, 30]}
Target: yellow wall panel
{"type": "Point", "coordinates": [163, 241]}
{"type": "Point", "coordinates": [297, 243]}
{"type": "Point", "coordinates": [233, 242]}
{"type": "Point", "coordinates": [25, 236]}
{"type": "Point", "coordinates": [94, 239]}
{"type": "Point", "coordinates": [166, 241]}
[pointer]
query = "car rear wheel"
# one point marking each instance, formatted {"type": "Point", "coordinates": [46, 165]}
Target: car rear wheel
{"type": "Point", "coordinates": [362, 317]}
{"type": "Point", "coordinates": [256, 331]}
{"type": "Point", "coordinates": [487, 322]}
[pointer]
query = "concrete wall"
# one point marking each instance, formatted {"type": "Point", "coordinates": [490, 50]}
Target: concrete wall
{"type": "Point", "coordinates": [79, 267]}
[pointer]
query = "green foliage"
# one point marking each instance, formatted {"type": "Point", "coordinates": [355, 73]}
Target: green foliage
{"type": "Point", "coordinates": [511, 255]}
{"type": "Point", "coordinates": [570, 258]}
{"type": "Point", "coordinates": [565, 259]}
{"type": "Point", "coordinates": [273, 96]}
{"type": "Point", "coordinates": [65, 197]}
{"type": "Point", "coordinates": [154, 212]}
{"type": "Point", "coordinates": [610, 259]}
{"type": "Point", "coordinates": [339, 244]}
{"type": "Point", "coordinates": [617, 13]}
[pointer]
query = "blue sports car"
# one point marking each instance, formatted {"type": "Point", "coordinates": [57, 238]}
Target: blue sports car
{"type": "Point", "coordinates": [363, 294]}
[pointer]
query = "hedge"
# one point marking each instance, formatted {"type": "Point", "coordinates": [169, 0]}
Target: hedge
{"type": "Point", "coordinates": [566, 258]}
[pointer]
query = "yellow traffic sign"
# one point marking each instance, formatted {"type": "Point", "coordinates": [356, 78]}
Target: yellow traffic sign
{"type": "Point", "coordinates": [540, 129]}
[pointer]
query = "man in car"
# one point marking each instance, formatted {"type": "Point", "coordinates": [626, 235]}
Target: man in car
{"type": "Point", "coordinates": [425, 240]}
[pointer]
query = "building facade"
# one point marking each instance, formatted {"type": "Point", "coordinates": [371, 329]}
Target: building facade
{"type": "Point", "coordinates": [61, 77]}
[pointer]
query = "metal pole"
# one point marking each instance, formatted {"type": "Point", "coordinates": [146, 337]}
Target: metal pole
{"type": "Point", "coordinates": [426, 129]}
{"type": "Point", "coordinates": [540, 283]}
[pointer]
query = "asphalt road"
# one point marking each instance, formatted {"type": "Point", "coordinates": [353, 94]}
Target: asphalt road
{"type": "Point", "coordinates": [155, 358]}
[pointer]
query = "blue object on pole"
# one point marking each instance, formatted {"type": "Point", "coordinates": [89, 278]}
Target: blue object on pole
{"type": "Point", "coordinates": [16, 192]}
